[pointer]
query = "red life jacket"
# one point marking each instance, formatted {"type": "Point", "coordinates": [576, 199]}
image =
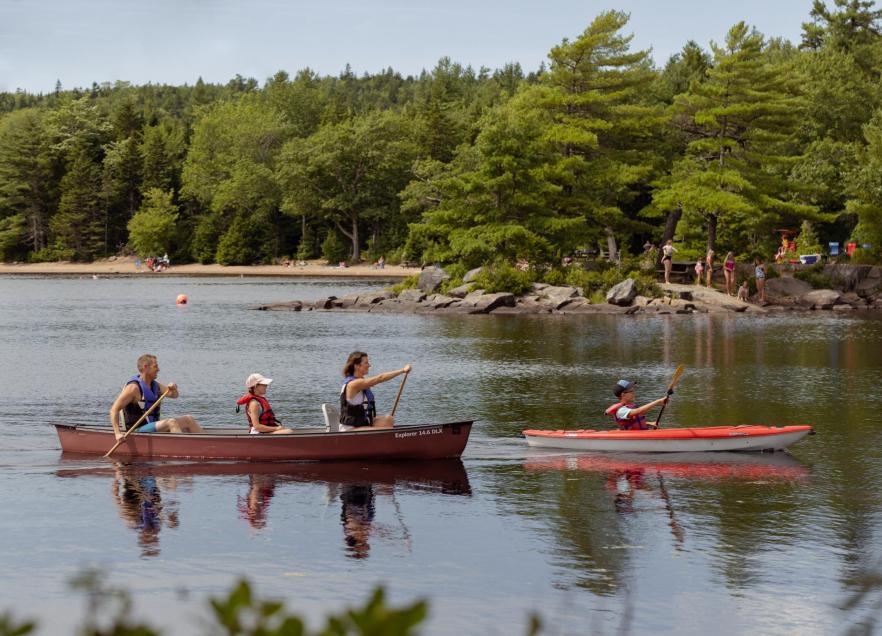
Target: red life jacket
{"type": "Point", "coordinates": [633, 423]}
{"type": "Point", "coordinates": [267, 417]}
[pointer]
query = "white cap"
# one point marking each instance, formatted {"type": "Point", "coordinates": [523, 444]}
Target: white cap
{"type": "Point", "coordinates": [254, 379]}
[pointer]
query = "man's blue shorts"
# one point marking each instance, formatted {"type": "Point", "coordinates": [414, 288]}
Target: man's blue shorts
{"type": "Point", "coordinates": [149, 427]}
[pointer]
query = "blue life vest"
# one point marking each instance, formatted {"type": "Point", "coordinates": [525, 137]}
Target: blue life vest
{"type": "Point", "coordinates": [149, 394]}
{"type": "Point", "coordinates": [357, 414]}
{"type": "Point", "coordinates": [633, 423]}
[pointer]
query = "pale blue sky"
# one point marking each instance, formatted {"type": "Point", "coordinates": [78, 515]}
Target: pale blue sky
{"type": "Point", "coordinates": [176, 41]}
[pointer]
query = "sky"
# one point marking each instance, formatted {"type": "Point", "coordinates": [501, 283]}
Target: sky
{"type": "Point", "coordinates": [175, 42]}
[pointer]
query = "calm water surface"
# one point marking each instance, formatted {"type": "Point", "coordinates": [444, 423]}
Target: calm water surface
{"type": "Point", "coordinates": [624, 544]}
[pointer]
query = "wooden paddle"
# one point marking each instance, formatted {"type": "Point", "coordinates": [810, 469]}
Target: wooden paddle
{"type": "Point", "coordinates": [398, 397]}
{"type": "Point", "coordinates": [671, 387]}
{"type": "Point", "coordinates": [138, 423]}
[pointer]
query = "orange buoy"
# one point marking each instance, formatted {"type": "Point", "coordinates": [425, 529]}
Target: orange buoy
{"type": "Point", "coordinates": [182, 299]}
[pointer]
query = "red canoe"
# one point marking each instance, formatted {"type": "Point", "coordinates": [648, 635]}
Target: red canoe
{"type": "Point", "coordinates": [427, 441]}
{"type": "Point", "coordinates": [673, 440]}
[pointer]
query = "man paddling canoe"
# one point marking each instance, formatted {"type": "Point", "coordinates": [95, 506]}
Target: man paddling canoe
{"type": "Point", "coordinates": [626, 414]}
{"type": "Point", "coordinates": [140, 393]}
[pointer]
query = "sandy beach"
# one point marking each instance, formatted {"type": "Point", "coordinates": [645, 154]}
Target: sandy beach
{"type": "Point", "coordinates": [126, 266]}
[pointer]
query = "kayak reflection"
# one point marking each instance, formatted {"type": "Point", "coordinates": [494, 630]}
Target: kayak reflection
{"type": "Point", "coordinates": [144, 492]}
{"type": "Point", "coordinates": [703, 466]}
{"type": "Point", "coordinates": [628, 474]}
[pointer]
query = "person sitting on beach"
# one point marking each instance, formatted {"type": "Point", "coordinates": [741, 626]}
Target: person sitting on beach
{"type": "Point", "coordinates": [744, 291]}
{"type": "Point", "coordinates": [139, 394]}
{"type": "Point", "coordinates": [258, 411]}
{"type": "Point", "coordinates": [626, 414]}
{"type": "Point", "coordinates": [381, 263]}
{"type": "Point", "coordinates": [357, 406]}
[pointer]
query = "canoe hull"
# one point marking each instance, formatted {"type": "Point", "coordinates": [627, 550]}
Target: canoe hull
{"type": "Point", "coordinates": [430, 441]}
{"type": "Point", "coordinates": [679, 440]}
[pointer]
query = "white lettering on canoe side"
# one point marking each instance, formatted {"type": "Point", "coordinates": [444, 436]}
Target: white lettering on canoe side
{"type": "Point", "coordinates": [430, 431]}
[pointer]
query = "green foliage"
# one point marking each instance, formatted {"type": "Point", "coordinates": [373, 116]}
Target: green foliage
{"type": "Point", "coordinates": [306, 248]}
{"type": "Point", "coordinates": [11, 627]}
{"type": "Point", "coordinates": [209, 228]}
{"type": "Point", "coordinates": [240, 244]}
{"type": "Point", "coordinates": [814, 276]}
{"type": "Point", "coordinates": [78, 223]}
{"type": "Point", "coordinates": [53, 253]}
{"type": "Point", "coordinates": [739, 126]}
{"type": "Point", "coordinates": [807, 242]}
{"type": "Point", "coordinates": [503, 277]}
{"type": "Point", "coordinates": [12, 231]}
{"type": "Point", "coordinates": [333, 249]}
{"type": "Point", "coordinates": [408, 283]}
{"type": "Point", "coordinates": [152, 229]}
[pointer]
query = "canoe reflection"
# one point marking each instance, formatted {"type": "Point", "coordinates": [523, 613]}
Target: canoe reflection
{"type": "Point", "coordinates": [144, 493]}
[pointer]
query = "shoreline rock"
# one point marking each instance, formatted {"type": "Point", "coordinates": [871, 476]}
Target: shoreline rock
{"type": "Point", "coordinates": [861, 290]}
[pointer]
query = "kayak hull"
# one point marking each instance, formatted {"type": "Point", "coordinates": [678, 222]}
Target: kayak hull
{"type": "Point", "coordinates": [674, 440]}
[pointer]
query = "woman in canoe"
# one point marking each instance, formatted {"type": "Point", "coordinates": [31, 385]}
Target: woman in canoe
{"type": "Point", "coordinates": [258, 411]}
{"type": "Point", "coordinates": [626, 414]}
{"type": "Point", "coordinates": [357, 406]}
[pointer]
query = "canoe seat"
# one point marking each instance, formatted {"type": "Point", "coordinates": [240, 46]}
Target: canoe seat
{"type": "Point", "coordinates": [332, 418]}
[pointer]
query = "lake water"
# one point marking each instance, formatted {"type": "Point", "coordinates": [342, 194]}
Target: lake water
{"type": "Point", "coordinates": [728, 544]}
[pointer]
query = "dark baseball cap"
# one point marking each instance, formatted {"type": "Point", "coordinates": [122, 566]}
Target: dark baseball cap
{"type": "Point", "coordinates": [622, 386]}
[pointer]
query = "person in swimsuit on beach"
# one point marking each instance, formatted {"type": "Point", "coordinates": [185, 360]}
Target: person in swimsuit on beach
{"type": "Point", "coordinates": [729, 273]}
{"type": "Point", "coordinates": [759, 270]}
{"type": "Point", "coordinates": [668, 250]}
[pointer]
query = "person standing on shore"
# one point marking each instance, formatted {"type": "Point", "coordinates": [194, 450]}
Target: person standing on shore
{"type": "Point", "coordinates": [699, 268]}
{"type": "Point", "coordinates": [759, 271]}
{"type": "Point", "coordinates": [357, 406]}
{"type": "Point", "coordinates": [139, 394]}
{"type": "Point", "coordinates": [668, 250]}
{"type": "Point", "coordinates": [709, 268]}
{"type": "Point", "coordinates": [729, 273]}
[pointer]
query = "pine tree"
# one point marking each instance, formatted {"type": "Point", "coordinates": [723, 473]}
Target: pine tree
{"type": "Point", "coordinates": [740, 123]}
{"type": "Point", "coordinates": [78, 224]}
{"type": "Point", "coordinates": [601, 126]}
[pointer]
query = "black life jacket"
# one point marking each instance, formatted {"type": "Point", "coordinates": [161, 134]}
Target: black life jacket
{"type": "Point", "coordinates": [149, 394]}
{"type": "Point", "coordinates": [357, 414]}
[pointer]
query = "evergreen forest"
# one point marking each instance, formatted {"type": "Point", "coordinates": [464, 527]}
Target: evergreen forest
{"type": "Point", "coordinates": [597, 151]}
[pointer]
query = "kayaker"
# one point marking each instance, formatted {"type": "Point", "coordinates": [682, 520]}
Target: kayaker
{"type": "Point", "coordinates": [258, 411]}
{"type": "Point", "coordinates": [626, 414]}
{"type": "Point", "coordinates": [139, 394]}
{"type": "Point", "coordinates": [357, 406]}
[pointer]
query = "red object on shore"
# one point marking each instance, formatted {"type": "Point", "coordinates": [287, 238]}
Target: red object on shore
{"type": "Point", "coordinates": [427, 441]}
